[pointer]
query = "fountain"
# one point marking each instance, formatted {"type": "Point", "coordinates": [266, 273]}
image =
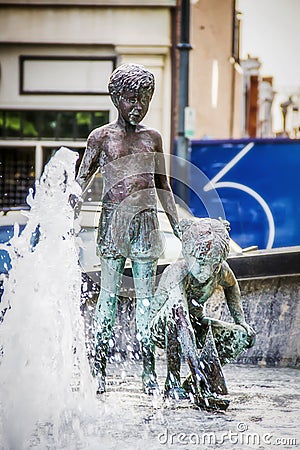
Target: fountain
{"type": "Point", "coordinates": [47, 395]}
{"type": "Point", "coordinates": [46, 387]}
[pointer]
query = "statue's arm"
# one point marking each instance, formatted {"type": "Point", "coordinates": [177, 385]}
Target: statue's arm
{"type": "Point", "coordinates": [233, 298]}
{"type": "Point", "coordinates": [163, 187]}
{"type": "Point", "coordinates": [90, 161]}
{"type": "Point", "coordinates": [169, 293]}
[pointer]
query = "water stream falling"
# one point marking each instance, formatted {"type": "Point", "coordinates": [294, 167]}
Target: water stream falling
{"type": "Point", "coordinates": [46, 388]}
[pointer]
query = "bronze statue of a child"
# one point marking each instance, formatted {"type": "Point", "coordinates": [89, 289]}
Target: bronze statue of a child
{"type": "Point", "coordinates": [177, 319]}
{"type": "Point", "coordinates": [130, 158]}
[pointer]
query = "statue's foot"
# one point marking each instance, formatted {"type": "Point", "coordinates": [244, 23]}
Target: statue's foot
{"type": "Point", "coordinates": [212, 402]}
{"type": "Point", "coordinates": [176, 392]}
{"type": "Point", "coordinates": [150, 385]}
{"type": "Point", "coordinates": [205, 401]}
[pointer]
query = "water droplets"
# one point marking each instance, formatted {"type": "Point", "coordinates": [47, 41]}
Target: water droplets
{"type": "Point", "coordinates": [146, 302]}
{"type": "Point", "coordinates": [139, 336]}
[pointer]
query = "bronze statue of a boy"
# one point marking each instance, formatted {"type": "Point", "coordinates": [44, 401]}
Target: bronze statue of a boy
{"type": "Point", "coordinates": [178, 322]}
{"type": "Point", "coordinates": [130, 157]}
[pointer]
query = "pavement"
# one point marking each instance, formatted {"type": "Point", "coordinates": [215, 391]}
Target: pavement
{"type": "Point", "coordinates": [263, 412]}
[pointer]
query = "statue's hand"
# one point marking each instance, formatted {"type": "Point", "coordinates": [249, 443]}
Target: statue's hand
{"type": "Point", "coordinates": [250, 332]}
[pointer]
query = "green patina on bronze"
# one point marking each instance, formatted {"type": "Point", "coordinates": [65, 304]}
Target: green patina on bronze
{"type": "Point", "coordinates": [130, 158]}
{"type": "Point", "coordinates": [177, 317]}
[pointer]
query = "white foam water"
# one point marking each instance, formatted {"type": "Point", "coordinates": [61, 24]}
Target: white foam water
{"type": "Point", "coordinates": [47, 392]}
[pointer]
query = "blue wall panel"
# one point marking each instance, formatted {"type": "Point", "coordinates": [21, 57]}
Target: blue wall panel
{"type": "Point", "coordinates": [258, 182]}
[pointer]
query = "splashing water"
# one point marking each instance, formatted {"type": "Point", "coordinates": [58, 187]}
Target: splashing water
{"type": "Point", "coordinates": [46, 387]}
{"type": "Point", "coordinates": [46, 393]}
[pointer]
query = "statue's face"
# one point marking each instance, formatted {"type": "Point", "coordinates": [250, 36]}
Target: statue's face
{"type": "Point", "coordinates": [204, 267]}
{"type": "Point", "coordinates": [133, 106]}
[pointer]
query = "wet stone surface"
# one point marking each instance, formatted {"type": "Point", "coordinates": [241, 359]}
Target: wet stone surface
{"type": "Point", "coordinates": [263, 413]}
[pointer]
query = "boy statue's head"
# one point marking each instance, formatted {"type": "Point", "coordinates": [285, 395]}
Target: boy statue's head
{"type": "Point", "coordinates": [205, 245]}
{"type": "Point", "coordinates": [133, 78]}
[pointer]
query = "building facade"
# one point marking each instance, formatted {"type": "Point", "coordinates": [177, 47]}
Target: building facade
{"type": "Point", "coordinates": [55, 60]}
{"type": "Point", "coordinates": [56, 57]}
{"type": "Point", "coordinates": [216, 86]}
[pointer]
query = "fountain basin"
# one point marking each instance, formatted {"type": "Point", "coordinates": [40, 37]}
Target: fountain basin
{"type": "Point", "coordinates": [270, 286]}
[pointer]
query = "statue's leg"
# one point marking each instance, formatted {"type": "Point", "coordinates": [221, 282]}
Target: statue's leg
{"type": "Point", "coordinates": [144, 282]}
{"type": "Point", "coordinates": [187, 340]}
{"type": "Point", "coordinates": [206, 381]}
{"type": "Point", "coordinates": [173, 386]}
{"type": "Point", "coordinates": [105, 314]}
{"type": "Point", "coordinates": [230, 339]}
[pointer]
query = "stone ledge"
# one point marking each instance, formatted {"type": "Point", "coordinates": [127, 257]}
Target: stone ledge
{"type": "Point", "coordinates": [266, 263]}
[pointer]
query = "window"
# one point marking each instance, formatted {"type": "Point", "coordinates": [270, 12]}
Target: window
{"type": "Point", "coordinates": [19, 169]}
{"type": "Point", "coordinates": [28, 140]}
{"type": "Point", "coordinates": [35, 124]}
{"type": "Point", "coordinates": [52, 75]}
{"type": "Point", "coordinates": [17, 175]}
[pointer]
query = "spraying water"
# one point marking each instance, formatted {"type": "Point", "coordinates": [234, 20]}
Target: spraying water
{"type": "Point", "coordinates": [46, 387]}
{"type": "Point", "coordinates": [46, 393]}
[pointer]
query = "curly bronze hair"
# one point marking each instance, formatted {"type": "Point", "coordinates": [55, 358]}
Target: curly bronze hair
{"type": "Point", "coordinates": [132, 78]}
{"type": "Point", "coordinates": [202, 236]}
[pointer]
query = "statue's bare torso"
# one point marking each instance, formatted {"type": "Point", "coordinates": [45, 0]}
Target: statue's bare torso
{"type": "Point", "coordinates": [127, 158]}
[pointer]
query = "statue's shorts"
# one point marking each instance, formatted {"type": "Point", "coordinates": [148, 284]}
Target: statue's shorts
{"type": "Point", "coordinates": [127, 231]}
